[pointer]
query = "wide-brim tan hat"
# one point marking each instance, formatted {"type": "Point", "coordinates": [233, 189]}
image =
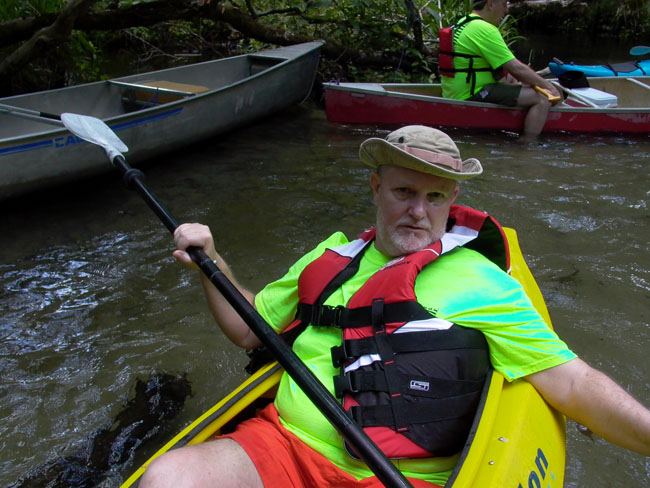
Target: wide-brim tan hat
{"type": "Point", "coordinates": [420, 148]}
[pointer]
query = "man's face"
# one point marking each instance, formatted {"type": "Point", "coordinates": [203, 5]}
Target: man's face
{"type": "Point", "coordinates": [412, 208]}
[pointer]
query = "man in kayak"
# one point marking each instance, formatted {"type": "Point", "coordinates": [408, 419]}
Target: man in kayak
{"type": "Point", "coordinates": [476, 64]}
{"type": "Point", "coordinates": [428, 285]}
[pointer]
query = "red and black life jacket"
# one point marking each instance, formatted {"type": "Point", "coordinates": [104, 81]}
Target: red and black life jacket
{"type": "Point", "coordinates": [411, 380]}
{"type": "Point", "coordinates": [446, 54]}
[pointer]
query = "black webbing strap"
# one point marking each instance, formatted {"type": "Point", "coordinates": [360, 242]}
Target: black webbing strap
{"type": "Point", "coordinates": [344, 275]}
{"type": "Point", "coordinates": [308, 313]}
{"type": "Point", "coordinates": [430, 340]}
{"type": "Point", "coordinates": [463, 55]}
{"type": "Point", "coordinates": [421, 386]}
{"type": "Point", "coordinates": [261, 355]}
{"type": "Point", "coordinates": [391, 373]}
{"type": "Point", "coordinates": [470, 69]}
{"type": "Point", "coordinates": [417, 413]}
{"type": "Point", "coordinates": [326, 316]}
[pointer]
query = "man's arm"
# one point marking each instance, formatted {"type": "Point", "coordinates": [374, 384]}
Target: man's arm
{"type": "Point", "coordinates": [597, 402]}
{"type": "Point", "coordinates": [527, 75]}
{"type": "Point", "coordinates": [229, 321]}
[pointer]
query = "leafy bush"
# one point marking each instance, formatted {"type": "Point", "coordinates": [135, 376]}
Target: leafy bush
{"type": "Point", "coordinates": [12, 9]}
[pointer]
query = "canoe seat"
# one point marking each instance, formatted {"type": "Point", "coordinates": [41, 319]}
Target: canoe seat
{"type": "Point", "coordinates": [145, 94]}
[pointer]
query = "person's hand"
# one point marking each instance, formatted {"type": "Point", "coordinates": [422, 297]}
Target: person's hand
{"type": "Point", "coordinates": [196, 235]}
{"type": "Point", "coordinates": [551, 90]}
{"type": "Point", "coordinates": [554, 90]}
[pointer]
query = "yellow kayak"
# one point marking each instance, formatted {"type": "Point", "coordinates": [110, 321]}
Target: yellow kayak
{"type": "Point", "coordinates": [517, 439]}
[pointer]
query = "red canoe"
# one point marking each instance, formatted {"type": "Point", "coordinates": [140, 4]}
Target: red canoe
{"type": "Point", "coordinates": [609, 105]}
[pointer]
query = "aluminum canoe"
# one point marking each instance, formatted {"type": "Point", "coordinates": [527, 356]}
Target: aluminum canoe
{"type": "Point", "coordinates": [517, 439]}
{"type": "Point", "coordinates": [153, 113]}
{"type": "Point", "coordinates": [397, 104]}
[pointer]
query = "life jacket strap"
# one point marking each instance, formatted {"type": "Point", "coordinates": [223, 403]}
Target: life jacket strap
{"type": "Point", "coordinates": [420, 386]}
{"type": "Point", "coordinates": [430, 340]}
{"type": "Point", "coordinates": [417, 413]}
{"type": "Point", "coordinates": [341, 317]}
{"type": "Point", "coordinates": [391, 373]}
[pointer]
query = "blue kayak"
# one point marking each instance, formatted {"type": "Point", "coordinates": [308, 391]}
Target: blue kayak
{"type": "Point", "coordinates": [635, 67]}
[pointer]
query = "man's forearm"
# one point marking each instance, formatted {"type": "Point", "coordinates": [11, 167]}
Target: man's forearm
{"type": "Point", "coordinates": [527, 75]}
{"type": "Point", "coordinates": [228, 319]}
{"type": "Point", "coordinates": [611, 412]}
{"type": "Point", "coordinates": [597, 402]}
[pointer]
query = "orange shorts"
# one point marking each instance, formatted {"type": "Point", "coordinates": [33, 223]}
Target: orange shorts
{"type": "Point", "coordinates": [284, 460]}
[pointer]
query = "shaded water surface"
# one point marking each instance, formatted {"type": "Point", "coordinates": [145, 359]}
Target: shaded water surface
{"type": "Point", "coordinates": [91, 299]}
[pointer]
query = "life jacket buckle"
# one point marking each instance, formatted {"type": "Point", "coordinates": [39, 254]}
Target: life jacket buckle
{"type": "Point", "coordinates": [343, 384]}
{"type": "Point", "coordinates": [327, 316]}
{"type": "Point", "coordinates": [340, 355]}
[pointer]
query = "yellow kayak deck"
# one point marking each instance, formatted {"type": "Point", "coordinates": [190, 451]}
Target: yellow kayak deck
{"type": "Point", "coordinates": [520, 440]}
{"type": "Point", "coordinates": [517, 439]}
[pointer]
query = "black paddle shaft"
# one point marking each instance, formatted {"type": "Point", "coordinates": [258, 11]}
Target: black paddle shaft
{"type": "Point", "coordinates": [367, 450]}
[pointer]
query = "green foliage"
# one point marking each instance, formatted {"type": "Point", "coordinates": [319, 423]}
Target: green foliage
{"type": "Point", "coordinates": [509, 31]}
{"type": "Point", "coordinates": [373, 27]}
{"type": "Point", "coordinates": [12, 9]}
{"type": "Point", "coordinates": [623, 19]}
{"type": "Point", "coordinates": [354, 23]}
{"type": "Point", "coordinates": [446, 12]}
{"type": "Point", "coordinates": [85, 57]}
{"type": "Point", "coordinates": [631, 17]}
{"type": "Point", "coordinates": [362, 25]}
{"type": "Point", "coordinates": [420, 62]}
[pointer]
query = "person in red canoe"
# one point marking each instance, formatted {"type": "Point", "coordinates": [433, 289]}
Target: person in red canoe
{"type": "Point", "coordinates": [402, 324]}
{"type": "Point", "coordinates": [476, 64]}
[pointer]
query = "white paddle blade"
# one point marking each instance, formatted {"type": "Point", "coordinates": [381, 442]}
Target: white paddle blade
{"type": "Point", "coordinates": [94, 130]}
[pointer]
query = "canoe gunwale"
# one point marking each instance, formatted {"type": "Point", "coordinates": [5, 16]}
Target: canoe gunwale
{"type": "Point", "coordinates": [377, 89]}
{"type": "Point", "coordinates": [386, 105]}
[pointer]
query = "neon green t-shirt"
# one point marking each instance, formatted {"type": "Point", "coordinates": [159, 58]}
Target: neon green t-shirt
{"type": "Point", "coordinates": [482, 39]}
{"type": "Point", "coordinates": [480, 296]}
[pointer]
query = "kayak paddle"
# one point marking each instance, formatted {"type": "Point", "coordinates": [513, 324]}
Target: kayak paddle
{"type": "Point", "coordinates": [95, 131]}
{"type": "Point", "coordinates": [31, 114]}
{"type": "Point", "coordinates": [639, 51]}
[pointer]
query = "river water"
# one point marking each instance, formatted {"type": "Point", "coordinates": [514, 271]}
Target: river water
{"type": "Point", "coordinates": [91, 298]}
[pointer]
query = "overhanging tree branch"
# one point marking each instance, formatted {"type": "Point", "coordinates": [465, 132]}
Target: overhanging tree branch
{"type": "Point", "coordinates": [52, 28]}
{"type": "Point", "coordinates": [43, 39]}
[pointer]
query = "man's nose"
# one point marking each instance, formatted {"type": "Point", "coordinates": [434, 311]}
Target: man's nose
{"type": "Point", "coordinates": [418, 207]}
